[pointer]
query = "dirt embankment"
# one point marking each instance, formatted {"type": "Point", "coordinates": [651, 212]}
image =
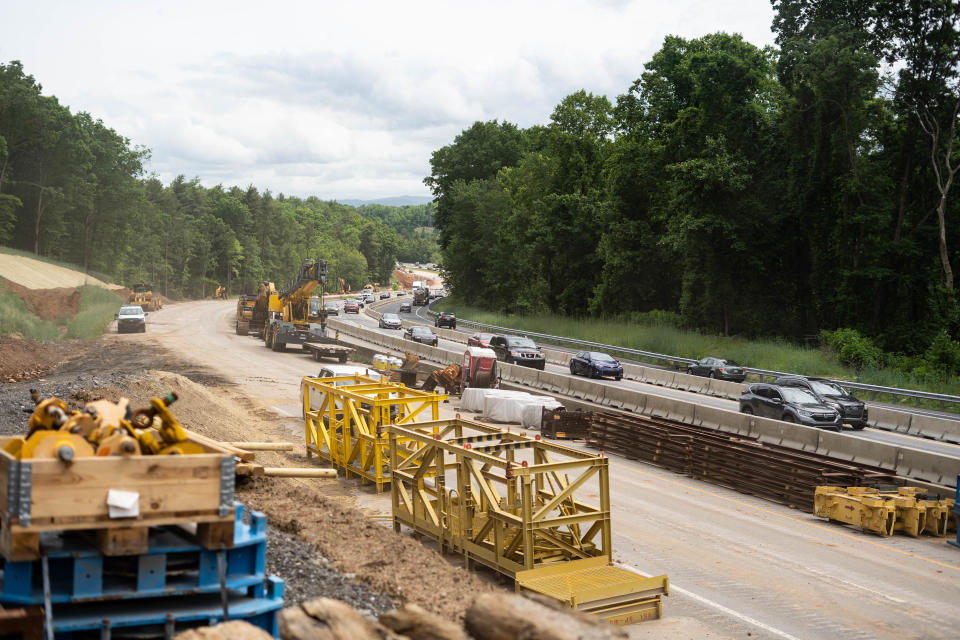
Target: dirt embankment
{"type": "Point", "coordinates": [49, 304]}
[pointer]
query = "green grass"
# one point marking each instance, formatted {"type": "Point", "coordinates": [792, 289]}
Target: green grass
{"type": "Point", "coordinates": [97, 308]}
{"type": "Point", "coordinates": [774, 355]}
{"type": "Point", "coordinates": [66, 265]}
{"type": "Point", "coordinates": [16, 318]}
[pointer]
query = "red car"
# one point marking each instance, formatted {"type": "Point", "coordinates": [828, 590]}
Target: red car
{"type": "Point", "coordinates": [480, 340]}
{"type": "Point", "coordinates": [351, 306]}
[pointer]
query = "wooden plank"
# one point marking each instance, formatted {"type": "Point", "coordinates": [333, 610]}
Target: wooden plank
{"type": "Point", "coordinates": [26, 623]}
{"type": "Point", "coordinates": [167, 484]}
{"type": "Point", "coordinates": [215, 446]}
{"type": "Point", "coordinates": [122, 541]}
{"type": "Point", "coordinates": [249, 469]}
{"type": "Point", "coordinates": [6, 461]}
{"type": "Point", "coordinates": [19, 546]}
{"type": "Point", "coordinates": [262, 446]}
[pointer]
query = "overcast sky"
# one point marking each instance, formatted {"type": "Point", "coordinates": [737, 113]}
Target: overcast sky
{"type": "Point", "coordinates": [337, 99]}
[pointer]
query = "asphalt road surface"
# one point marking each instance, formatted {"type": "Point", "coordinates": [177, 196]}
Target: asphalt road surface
{"type": "Point", "coordinates": [739, 567]}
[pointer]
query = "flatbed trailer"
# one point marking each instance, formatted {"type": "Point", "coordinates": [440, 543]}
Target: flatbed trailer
{"type": "Point", "coordinates": [327, 350]}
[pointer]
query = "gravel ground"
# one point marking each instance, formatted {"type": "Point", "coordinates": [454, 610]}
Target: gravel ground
{"type": "Point", "coordinates": [309, 575]}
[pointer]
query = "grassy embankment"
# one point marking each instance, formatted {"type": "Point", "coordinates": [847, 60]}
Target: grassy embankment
{"type": "Point", "coordinates": [774, 355]}
{"type": "Point", "coordinates": [97, 308]}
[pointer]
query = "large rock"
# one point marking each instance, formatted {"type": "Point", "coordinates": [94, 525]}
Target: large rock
{"type": "Point", "coordinates": [500, 616]}
{"type": "Point", "coordinates": [233, 630]}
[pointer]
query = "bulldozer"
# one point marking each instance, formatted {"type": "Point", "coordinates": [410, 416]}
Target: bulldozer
{"type": "Point", "coordinates": [142, 295]}
{"type": "Point", "coordinates": [245, 306]}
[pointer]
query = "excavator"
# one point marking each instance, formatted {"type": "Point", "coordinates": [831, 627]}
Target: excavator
{"type": "Point", "coordinates": [298, 317]}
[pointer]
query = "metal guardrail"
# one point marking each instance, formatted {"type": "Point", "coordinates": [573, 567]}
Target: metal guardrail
{"type": "Point", "coordinates": [672, 361]}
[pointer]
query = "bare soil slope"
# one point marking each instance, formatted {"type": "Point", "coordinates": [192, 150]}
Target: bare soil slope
{"type": "Point", "coordinates": [35, 274]}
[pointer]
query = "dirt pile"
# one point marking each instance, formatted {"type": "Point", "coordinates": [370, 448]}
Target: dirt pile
{"type": "Point", "coordinates": [49, 304]}
{"type": "Point", "coordinates": [405, 279]}
{"type": "Point", "coordinates": [23, 359]}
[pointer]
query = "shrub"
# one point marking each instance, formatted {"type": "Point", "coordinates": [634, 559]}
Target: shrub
{"type": "Point", "coordinates": [15, 317]}
{"type": "Point", "coordinates": [942, 357]}
{"type": "Point", "coordinates": [97, 308]}
{"type": "Point", "coordinates": [854, 349]}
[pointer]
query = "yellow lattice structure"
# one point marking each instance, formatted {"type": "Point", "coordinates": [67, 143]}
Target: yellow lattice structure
{"type": "Point", "coordinates": [516, 504]}
{"type": "Point", "coordinates": [345, 416]}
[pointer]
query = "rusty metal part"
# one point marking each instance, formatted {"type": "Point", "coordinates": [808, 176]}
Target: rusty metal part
{"type": "Point", "coordinates": [774, 472]}
{"type": "Point", "coordinates": [560, 423]}
{"type": "Point", "coordinates": [448, 378]}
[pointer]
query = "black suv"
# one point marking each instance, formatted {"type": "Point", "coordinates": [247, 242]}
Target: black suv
{"type": "Point", "coordinates": [788, 403]}
{"type": "Point", "coordinates": [851, 410]}
{"type": "Point", "coordinates": [516, 350]}
{"type": "Point", "coordinates": [446, 319]}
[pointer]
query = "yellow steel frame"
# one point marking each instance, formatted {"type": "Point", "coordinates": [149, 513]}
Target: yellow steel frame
{"type": "Point", "coordinates": [347, 428]}
{"type": "Point", "coordinates": [514, 504]}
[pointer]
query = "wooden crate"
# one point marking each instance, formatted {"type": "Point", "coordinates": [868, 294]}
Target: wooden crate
{"type": "Point", "coordinates": [48, 495]}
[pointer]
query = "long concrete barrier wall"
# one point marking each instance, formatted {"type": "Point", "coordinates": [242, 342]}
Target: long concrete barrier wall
{"type": "Point", "coordinates": [905, 461]}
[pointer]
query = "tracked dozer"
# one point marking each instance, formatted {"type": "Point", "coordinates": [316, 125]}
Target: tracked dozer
{"type": "Point", "coordinates": [143, 295]}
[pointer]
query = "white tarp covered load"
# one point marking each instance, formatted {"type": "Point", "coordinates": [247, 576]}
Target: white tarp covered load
{"type": "Point", "coordinates": [472, 397]}
{"type": "Point", "coordinates": [510, 408]}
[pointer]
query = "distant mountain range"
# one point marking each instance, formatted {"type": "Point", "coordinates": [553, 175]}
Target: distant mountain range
{"type": "Point", "coordinates": [393, 201]}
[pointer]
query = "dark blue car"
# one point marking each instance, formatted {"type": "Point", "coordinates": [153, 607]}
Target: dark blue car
{"type": "Point", "coordinates": [595, 364]}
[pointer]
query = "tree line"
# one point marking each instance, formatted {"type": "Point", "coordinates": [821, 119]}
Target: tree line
{"type": "Point", "coordinates": [73, 189]}
{"type": "Point", "coordinates": [753, 191]}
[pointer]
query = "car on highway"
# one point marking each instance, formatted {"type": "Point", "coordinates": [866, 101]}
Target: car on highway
{"type": "Point", "coordinates": [401, 292]}
{"type": "Point", "coordinates": [390, 321]}
{"type": "Point", "coordinates": [332, 308]}
{"type": "Point", "coordinates": [719, 368]}
{"type": "Point", "coordinates": [595, 364]}
{"type": "Point", "coordinates": [787, 403]}
{"type": "Point", "coordinates": [384, 295]}
{"type": "Point", "coordinates": [351, 306]}
{"type": "Point", "coordinates": [852, 411]}
{"type": "Point", "coordinates": [421, 334]}
{"type": "Point", "coordinates": [406, 307]}
{"type": "Point", "coordinates": [445, 319]}
{"type": "Point", "coordinates": [370, 299]}
{"type": "Point", "coordinates": [131, 319]}
{"type": "Point", "coordinates": [480, 339]}
{"type": "Point", "coordinates": [518, 350]}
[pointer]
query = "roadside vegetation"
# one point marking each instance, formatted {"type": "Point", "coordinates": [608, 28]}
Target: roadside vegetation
{"type": "Point", "coordinates": [97, 308]}
{"type": "Point", "coordinates": [15, 317]}
{"type": "Point", "coordinates": [843, 355]}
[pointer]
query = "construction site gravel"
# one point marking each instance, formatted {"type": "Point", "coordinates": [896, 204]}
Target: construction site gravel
{"type": "Point", "coordinates": [320, 543]}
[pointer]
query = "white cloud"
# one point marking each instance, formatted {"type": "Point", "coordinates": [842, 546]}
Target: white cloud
{"type": "Point", "coordinates": [338, 99]}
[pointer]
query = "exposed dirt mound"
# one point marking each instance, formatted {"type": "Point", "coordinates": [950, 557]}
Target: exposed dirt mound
{"type": "Point", "coordinates": [21, 358]}
{"type": "Point", "coordinates": [406, 280]}
{"type": "Point", "coordinates": [49, 304]}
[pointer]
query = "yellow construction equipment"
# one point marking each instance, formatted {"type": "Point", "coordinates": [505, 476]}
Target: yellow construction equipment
{"type": "Point", "coordinates": [245, 306]}
{"type": "Point", "coordinates": [518, 505]}
{"type": "Point", "coordinates": [142, 295]}
{"type": "Point", "coordinates": [905, 509]}
{"type": "Point", "coordinates": [220, 293]}
{"type": "Point", "coordinates": [345, 416]}
{"type": "Point", "coordinates": [102, 428]}
{"type": "Point", "coordinates": [293, 321]}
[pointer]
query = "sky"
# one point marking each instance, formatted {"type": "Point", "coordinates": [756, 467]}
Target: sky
{"type": "Point", "coordinates": [338, 99]}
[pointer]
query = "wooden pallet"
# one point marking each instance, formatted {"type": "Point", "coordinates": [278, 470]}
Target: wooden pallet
{"type": "Point", "coordinates": [26, 623]}
{"type": "Point", "coordinates": [48, 495]}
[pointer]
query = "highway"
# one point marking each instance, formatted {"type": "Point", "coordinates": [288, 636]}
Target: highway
{"type": "Point", "coordinates": [740, 567]}
{"type": "Point", "coordinates": [876, 435]}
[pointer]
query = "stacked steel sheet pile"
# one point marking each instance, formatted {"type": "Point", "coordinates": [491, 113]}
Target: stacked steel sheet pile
{"type": "Point", "coordinates": [777, 473]}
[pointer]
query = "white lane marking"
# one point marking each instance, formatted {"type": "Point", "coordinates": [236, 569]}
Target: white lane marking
{"type": "Point", "coordinates": [856, 586]}
{"type": "Point", "coordinates": [719, 607]}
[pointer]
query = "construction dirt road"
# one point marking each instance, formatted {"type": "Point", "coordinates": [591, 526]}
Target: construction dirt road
{"type": "Point", "coordinates": [739, 566]}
